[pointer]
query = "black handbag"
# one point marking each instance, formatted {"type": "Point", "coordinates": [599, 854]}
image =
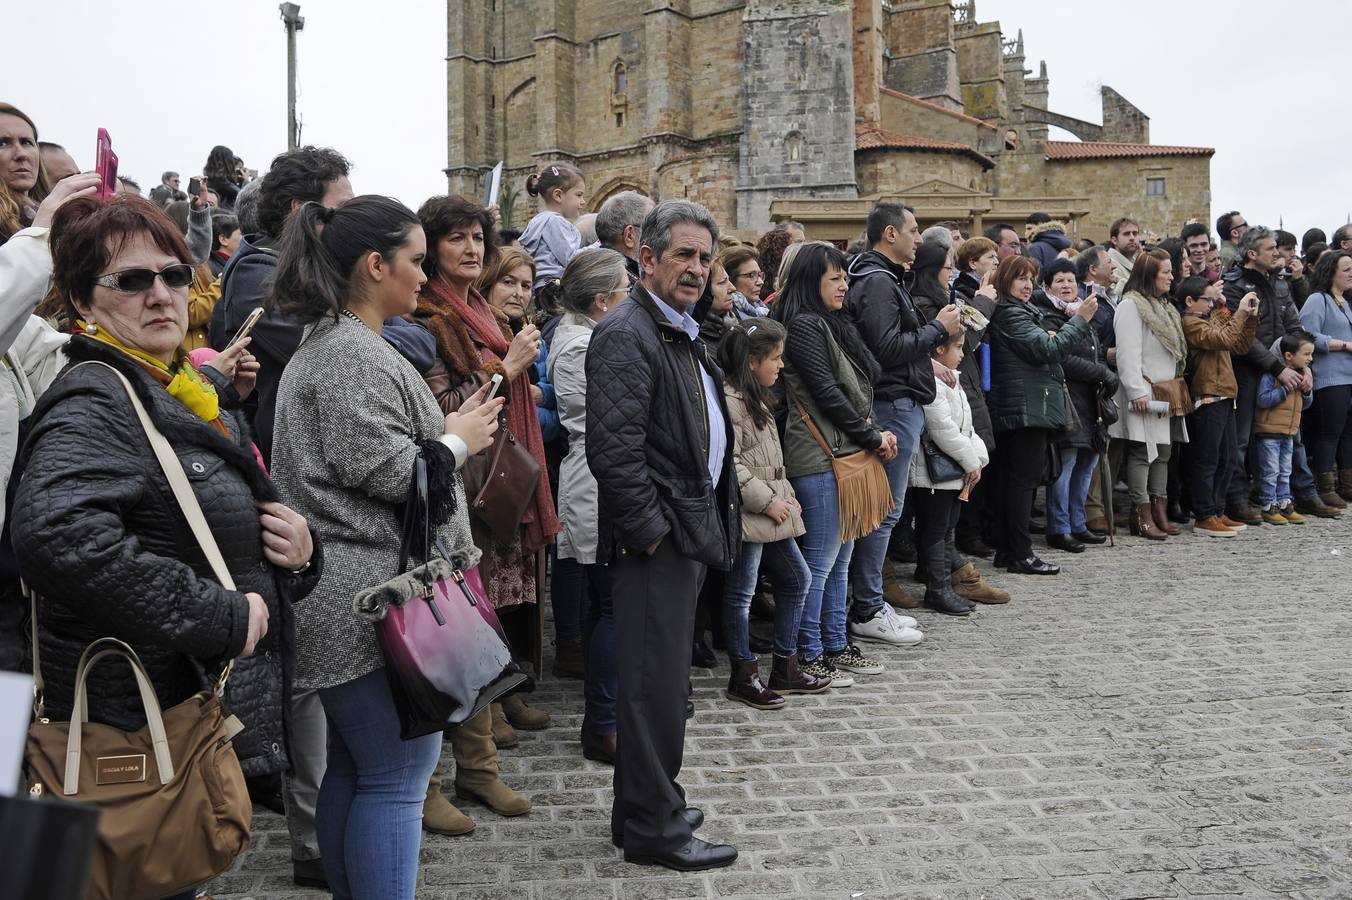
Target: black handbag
{"type": "Point", "coordinates": [1108, 411]}
{"type": "Point", "coordinates": [940, 466]}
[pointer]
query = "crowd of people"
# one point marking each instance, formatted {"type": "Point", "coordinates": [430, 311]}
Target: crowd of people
{"type": "Point", "coordinates": [708, 441]}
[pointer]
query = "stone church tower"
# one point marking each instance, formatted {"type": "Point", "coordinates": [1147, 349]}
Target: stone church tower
{"type": "Point", "coordinates": [804, 109]}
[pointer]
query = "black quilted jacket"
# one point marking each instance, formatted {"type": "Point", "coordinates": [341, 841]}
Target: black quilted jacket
{"type": "Point", "coordinates": [647, 439]}
{"type": "Point", "coordinates": [101, 539]}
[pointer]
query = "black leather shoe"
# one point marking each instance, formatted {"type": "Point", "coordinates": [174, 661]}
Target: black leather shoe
{"type": "Point", "coordinates": [975, 547]}
{"type": "Point", "coordinates": [309, 873]}
{"type": "Point", "coordinates": [694, 817]}
{"type": "Point", "coordinates": [690, 709]}
{"type": "Point", "coordinates": [693, 857]}
{"type": "Point", "coordinates": [1089, 537]}
{"type": "Point", "coordinates": [1065, 542]}
{"type": "Point", "coordinates": [598, 747]}
{"type": "Point", "coordinates": [701, 657]}
{"type": "Point", "coordinates": [1033, 566]}
{"type": "Point", "coordinates": [949, 604]}
{"type": "Point", "coordinates": [1002, 559]}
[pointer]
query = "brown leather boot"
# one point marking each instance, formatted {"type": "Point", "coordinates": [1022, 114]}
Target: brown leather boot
{"type": "Point", "coordinates": [476, 768]}
{"type": "Point", "coordinates": [439, 814]}
{"type": "Point", "coordinates": [893, 592]}
{"type": "Point", "coordinates": [1327, 485]}
{"type": "Point", "coordinates": [527, 718]}
{"type": "Point", "coordinates": [1345, 484]}
{"type": "Point", "coordinates": [504, 735]}
{"type": "Point", "coordinates": [968, 583]}
{"type": "Point", "coordinates": [787, 678]}
{"type": "Point", "coordinates": [1159, 511]}
{"type": "Point", "coordinates": [745, 685]}
{"type": "Point", "coordinates": [1143, 523]}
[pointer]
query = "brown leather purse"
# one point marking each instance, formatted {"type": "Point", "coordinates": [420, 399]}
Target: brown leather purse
{"type": "Point", "coordinates": [502, 480]}
{"type": "Point", "coordinates": [1175, 393]}
{"type": "Point", "coordinates": [864, 492]}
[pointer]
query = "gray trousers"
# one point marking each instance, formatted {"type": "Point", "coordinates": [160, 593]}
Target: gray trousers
{"type": "Point", "coordinates": [654, 607]}
{"type": "Point", "coordinates": [309, 758]}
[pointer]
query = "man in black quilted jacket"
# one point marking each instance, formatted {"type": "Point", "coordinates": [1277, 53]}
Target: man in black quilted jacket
{"type": "Point", "coordinates": [659, 444]}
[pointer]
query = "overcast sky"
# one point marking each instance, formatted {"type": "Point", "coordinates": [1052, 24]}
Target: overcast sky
{"type": "Point", "coordinates": [169, 79]}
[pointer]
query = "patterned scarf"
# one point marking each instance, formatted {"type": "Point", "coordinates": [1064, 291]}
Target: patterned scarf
{"type": "Point", "coordinates": [183, 382]}
{"type": "Point", "coordinates": [472, 338]}
{"type": "Point", "coordinates": [1164, 323]}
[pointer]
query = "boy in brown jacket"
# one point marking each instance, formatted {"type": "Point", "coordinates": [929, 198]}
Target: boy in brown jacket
{"type": "Point", "coordinates": [1212, 337]}
{"type": "Point", "coordinates": [1275, 427]}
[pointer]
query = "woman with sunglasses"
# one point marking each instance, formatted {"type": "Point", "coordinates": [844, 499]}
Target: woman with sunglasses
{"type": "Point", "coordinates": [97, 532]}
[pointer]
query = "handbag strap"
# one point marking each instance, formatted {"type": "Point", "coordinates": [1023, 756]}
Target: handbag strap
{"type": "Point", "coordinates": [417, 512]}
{"type": "Point", "coordinates": [108, 647]}
{"type": "Point", "coordinates": [807, 420]}
{"type": "Point", "coordinates": [187, 502]}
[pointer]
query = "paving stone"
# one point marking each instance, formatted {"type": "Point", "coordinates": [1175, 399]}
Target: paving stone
{"type": "Point", "coordinates": [1147, 724]}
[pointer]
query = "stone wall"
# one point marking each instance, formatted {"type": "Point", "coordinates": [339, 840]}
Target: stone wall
{"type": "Point", "coordinates": [797, 105]}
{"type": "Point", "coordinates": [1117, 187]}
{"type": "Point", "coordinates": [884, 172]}
{"type": "Point", "coordinates": [923, 62]}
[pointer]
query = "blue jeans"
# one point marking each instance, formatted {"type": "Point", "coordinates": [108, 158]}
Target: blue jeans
{"type": "Point", "coordinates": [1302, 479]}
{"type": "Point", "coordinates": [1274, 468]}
{"type": "Point", "coordinates": [600, 683]}
{"type": "Point", "coordinates": [823, 620]}
{"type": "Point", "coordinates": [792, 579]}
{"type": "Point", "coordinates": [369, 814]}
{"type": "Point", "coordinates": [1066, 497]}
{"type": "Point", "coordinates": [905, 419]}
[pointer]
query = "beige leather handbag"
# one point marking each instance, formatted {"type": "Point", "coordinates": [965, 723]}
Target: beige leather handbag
{"type": "Point", "coordinates": [174, 808]}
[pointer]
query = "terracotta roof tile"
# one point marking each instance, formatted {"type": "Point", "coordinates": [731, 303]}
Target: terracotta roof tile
{"type": "Point", "coordinates": [867, 137]}
{"type": "Point", "coordinates": [1057, 150]}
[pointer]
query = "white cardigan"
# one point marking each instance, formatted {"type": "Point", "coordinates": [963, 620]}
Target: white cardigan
{"type": "Point", "coordinates": [948, 425]}
{"type": "Point", "coordinates": [1140, 356]}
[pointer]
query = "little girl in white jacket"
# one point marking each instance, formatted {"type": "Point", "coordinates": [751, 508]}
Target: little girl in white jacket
{"type": "Point", "coordinates": [949, 443]}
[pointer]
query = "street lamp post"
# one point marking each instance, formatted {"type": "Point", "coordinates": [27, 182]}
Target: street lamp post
{"type": "Point", "coordinates": [294, 22]}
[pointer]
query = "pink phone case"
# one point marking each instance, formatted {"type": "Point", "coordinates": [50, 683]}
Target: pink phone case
{"type": "Point", "coordinates": [105, 164]}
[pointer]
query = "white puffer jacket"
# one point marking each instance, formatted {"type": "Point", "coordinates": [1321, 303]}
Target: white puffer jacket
{"type": "Point", "coordinates": [948, 425]}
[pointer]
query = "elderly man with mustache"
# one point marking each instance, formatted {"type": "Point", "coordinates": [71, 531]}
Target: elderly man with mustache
{"type": "Point", "coordinates": [658, 442]}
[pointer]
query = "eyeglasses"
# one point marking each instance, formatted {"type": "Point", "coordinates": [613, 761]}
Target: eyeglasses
{"type": "Point", "coordinates": [757, 275]}
{"type": "Point", "coordinates": [134, 281]}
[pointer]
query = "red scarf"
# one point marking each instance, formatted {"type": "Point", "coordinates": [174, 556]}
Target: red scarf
{"type": "Point", "coordinates": [448, 317]}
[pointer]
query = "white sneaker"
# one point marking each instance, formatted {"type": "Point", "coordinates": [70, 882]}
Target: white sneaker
{"type": "Point", "coordinates": [882, 630]}
{"type": "Point", "coordinates": [899, 620]}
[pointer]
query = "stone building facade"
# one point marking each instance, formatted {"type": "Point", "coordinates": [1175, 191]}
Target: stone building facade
{"type": "Point", "coordinates": [804, 109]}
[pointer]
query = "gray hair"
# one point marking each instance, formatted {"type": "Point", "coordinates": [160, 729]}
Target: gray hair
{"type": "Point", "coordinates": [938, 234]}
{"type": "Point", "coordinates": [656, 231]}
{"type": "Point", "coordinates": [619, 212]}
{"type": "Point", "coordinates": [246, 207]}
{"type": "Point", "coordinates": [1089, 259]}
{"type": "Point", "coordinates": [1250, 241]}
{"type": "Point", "coordinates": [167, 175]}
{"type": "Point", "coordinates": [590, 272]}
{"type": "Point", "coordinates": [788, 224]}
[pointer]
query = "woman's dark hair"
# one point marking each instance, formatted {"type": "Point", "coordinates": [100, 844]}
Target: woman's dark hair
{"type": "Point", "coordinates": [1313, 254]}
{"type": "Point", "coordinates": [1145, 272]}
{"type": "Point", "coordinates": [442, 215]}
{"type": "Point", "coordinates": [1056, 267]}
{"type": "Point", "coordinates": [303, 175]}
{"type": "Point", "coordinates": [87, 235]}
{"type": "Point", "coordinates": [751, 340]}
{"type": "Point", "coordinates": [1011, 270]}
{"type": "Point", "coordinates": [559, 175]}
{"type": "Point", "coordinates": [802, 296]}
{"type": "Point", "coordinates": [1321, 282]}
{"type": "Point", "coordinates": [507, 235]}
{"type": "Point", "coordinates": [222, 226]}
{"type": "Point", "coordinates": [770, 248]}
{"type": "Point", "coordinates": [314, 265]}
{"type": "Point", "coordinates": [929, 259]}
{"type": "Point", "coordinates": [220, 163]}
{"type": "Point", "coordinates": [178, 211]}
{"type": "Point", "coordinates": [1190, 288]}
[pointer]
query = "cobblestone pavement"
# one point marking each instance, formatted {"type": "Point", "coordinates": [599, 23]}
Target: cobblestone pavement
{"type": "Point", "coordinates": [1159, 721]}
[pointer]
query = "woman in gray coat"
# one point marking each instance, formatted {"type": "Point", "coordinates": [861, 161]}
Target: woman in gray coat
{"type": "Point", "coordinates": [593, 284]}
{"type": "Point", "coordinates": [352, 417]}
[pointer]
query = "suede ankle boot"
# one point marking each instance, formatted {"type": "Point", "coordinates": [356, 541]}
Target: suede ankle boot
{"type": "Point", "coordinates": [1159, 511]}
{"type": "Point", "coordinates": [1345, 484]}
{"type": "Point", "coordinates": [439, 814]}
{"type": "Point", "coordinates": [527, 718]}
{"type": "Point", "coordinates": [504, 735]}
{"type": "Point", "coordinates": [476, 768]}
{"type": "Point", "coordinates": [893, 592]}
{"type": "Point", "coordinates": [968, 583]}
{"type": "Point", "coordinates": [787, 678]}
{"type": "Point", "coordinates": [745, 685]}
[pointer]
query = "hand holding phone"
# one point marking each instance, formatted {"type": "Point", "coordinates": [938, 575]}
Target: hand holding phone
{"type": "Point", "coordinates": [247, 327]}
{"type": "Point", "coordinates": [494, 385]}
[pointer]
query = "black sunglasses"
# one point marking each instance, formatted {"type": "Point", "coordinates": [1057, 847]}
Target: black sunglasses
{"type": "Point", "coordinates": [133, 281]}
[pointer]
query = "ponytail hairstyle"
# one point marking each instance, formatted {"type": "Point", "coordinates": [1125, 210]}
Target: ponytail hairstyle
{"type": "Point", "coordinates": [558, 175]}
{"type": "Point", "coordinates": [320, 247]}
{"type": "Point", "coordinates": [751, 340]}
